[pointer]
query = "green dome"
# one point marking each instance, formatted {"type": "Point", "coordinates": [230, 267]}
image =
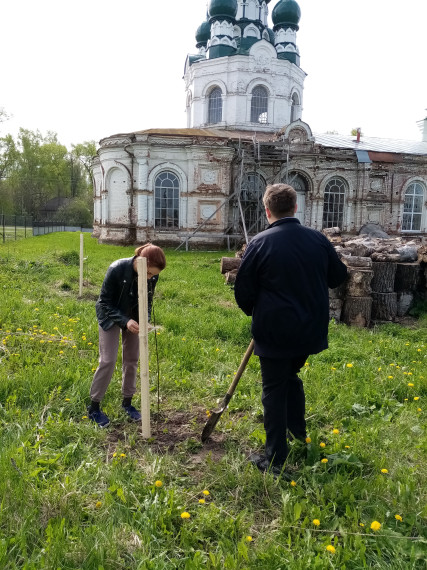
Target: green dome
{"type": "Point", "coordinates": [271, 35]}
{"type": "Point", "coordinates": [286, 13]}
{"type": "Point", "coordinates": [218, 8]}
{"type": "Point", "coordinates": [203, 33]}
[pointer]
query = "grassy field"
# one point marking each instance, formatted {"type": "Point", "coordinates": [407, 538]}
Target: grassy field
{"type": "Point", "coordinates": [73, 496]}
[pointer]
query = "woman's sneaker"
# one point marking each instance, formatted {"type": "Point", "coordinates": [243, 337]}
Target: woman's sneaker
{"type": "Point", "coordinates": [99, 418]}
{"type": "Point", "coordinates": [133, 413]}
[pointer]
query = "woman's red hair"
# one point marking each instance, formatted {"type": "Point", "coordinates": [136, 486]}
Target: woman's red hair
{"type": "Point", "coordinates": [154, 254]}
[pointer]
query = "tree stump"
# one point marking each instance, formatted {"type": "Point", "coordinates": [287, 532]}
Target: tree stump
{"type": "Point", "coordinates": [357, 261]}
{"type": "Point", "coordinates": [357, 311]}
{"type": "Point", "coordinates": [230, 263]}
{"type": "Point", "coordinates": [407, 277]}
{"type": "Point", "coordinates": [230, 276]}
{"type": "Point", "coordinates": [383, 279]}
{"type": "Point", "coordinates": [335, 309]}
{"type": "Point", "coordinates": [359, 282]}
{"type": "Point", "coordinates": [384, 306]}
{"type": "Point", "coordinates": [405, 300]}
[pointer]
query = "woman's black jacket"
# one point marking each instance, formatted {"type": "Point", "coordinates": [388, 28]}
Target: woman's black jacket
{"type": "Point", "coordinates": [118, 300]}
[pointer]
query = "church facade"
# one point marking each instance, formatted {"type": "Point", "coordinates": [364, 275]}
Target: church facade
{"type": "Point", "coordinates": [202, 185]}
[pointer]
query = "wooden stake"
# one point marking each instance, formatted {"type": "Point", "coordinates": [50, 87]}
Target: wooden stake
{"type": "Point", "coordinates": [81, 267]}
{"type": "Point", "coordinates": [141, 264]}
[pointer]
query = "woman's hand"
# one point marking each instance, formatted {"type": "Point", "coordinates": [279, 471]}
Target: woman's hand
{"type": "Point", "coordinates": [132, 326]}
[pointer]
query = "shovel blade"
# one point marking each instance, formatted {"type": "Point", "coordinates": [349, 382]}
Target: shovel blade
{"type": "Point", "coordinates": [210, 424]}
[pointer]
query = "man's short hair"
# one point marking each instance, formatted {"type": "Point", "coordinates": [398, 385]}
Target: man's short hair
{"type": "Point", "coordinates": [280, 199]}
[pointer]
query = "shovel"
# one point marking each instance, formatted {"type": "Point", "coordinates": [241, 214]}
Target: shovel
{"type": "Point", "coordinates": [214, 417]}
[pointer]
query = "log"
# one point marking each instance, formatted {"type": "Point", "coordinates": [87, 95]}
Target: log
{"type": "Point", "coordinates": [335, 309]}
{"type": "Point", "coordinates": [357, 311]}
{"type": "Point", "coordinates": [385, 257]}
{"type": "Point", "coordinates": [408, 277]}
{"type": "Point", "coordinates": [383, 279]}
{"type": "Point", "coordinates": [230, 276]}
{"type": "Point", "coordinates": [384, 306]}
{"type": "Point", "coordinates": [405, 301]}
{"type": "Point", "coordinates": [229, 263]}
{"type": "Point", "coordinates": [356, 261]}
{"type": "Point", "coordinates": [359, 282]}
{"type": "Point", "coordinates": [339, 292]}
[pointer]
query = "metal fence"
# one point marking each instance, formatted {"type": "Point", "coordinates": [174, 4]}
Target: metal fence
{"type": "Point", "coordinates": [19, 227]}
{"type": "Point", "coordinates": [15, 227]}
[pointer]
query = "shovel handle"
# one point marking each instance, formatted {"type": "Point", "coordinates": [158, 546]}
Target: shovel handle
{"type": "Point", "coordinates": [240, 370]}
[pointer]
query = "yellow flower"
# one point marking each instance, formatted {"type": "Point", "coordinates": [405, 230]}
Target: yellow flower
{"type": "Point", "coordinates": [322, 444]}
{"type": "Point", "coordinates": [67, 399]}
{"type": "Point", "coordinates": [410, 384]}
{"type": "Point", "coordinates": [324, 460]}
{"type": "Point", "coordinates": [61, 352]}
{"type": "Point", "coordinates": [206, 492]}
{"type": "Point", "coordinates": [316, 522]}
{"type": "Point", "coordinates": [249, 539]}
{"type": "Point", "coordinates": [375, 525]}
{"type": "Point", "coordinates": [123, 455]}
{"type": "Point", "coordinates": [84, 417]}
{"type": "Point", "coordinates": [98, 504]}
{"type": "Point", "coordinates": [306, 364]}
{"type": "Point", "coordinates": [293, 484]}
{"type": "Point", "coordinates": [398, 518]}
{"type": "Point", "coordinates": [330, 548]}
{"type": "Point", "coordinates": [335, 431]}
{"type": "Point", "coordinates": [379, 369]}
{"type": "Point", "coordinates": [390, 377]}
{"type": "Point", "coordinates": [361, 524]}
{"type": "Point", "coordinates": [202, 501]}
{"type": "Point", "coordinates": [333, 368]}
{"type": "Point", "coordinates": [347, 446]}
{"type": "Point", "coordinates": [308, 440]}
{"type": "Point", "coordinates": [349, 365]}
{"type": "Point", "coordinates": [158, 483]}
{"type": "Point", "coordinates": [418, 409]}
{"type": "Point", "coordinates": [384, 470]}
{"type": "Point", "coordinates": [185, 515]}
{"type": "Point", "coordinates": [114, 454]}
{"type": "Point", "coordinates": [416, 398]}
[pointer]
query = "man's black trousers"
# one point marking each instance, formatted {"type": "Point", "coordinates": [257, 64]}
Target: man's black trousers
{"type": "Point", "coordinates": [283, 399]}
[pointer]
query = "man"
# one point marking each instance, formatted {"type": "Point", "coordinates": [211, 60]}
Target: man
{"type": "Point", "coordinates": [283, 283]}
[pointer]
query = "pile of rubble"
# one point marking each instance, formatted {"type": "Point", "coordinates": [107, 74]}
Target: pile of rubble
{"type": "Point", "coordinates": [386, 276]}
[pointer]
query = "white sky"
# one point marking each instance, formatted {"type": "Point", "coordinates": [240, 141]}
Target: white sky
{"type": "Point", "coordinates": [88, 69]}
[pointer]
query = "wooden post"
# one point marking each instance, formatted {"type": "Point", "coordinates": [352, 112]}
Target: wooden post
{"type": "Point", "coordinates": [141, 264]}
{"type": "Point", "coordinates": [81, 267]}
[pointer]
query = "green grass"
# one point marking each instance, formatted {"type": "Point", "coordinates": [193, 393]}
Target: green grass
{"type": "Point", "coordinates": [73, 496]}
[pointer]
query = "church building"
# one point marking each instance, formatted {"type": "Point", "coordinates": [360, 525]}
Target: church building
{"type": "Point", "coordinates": [202, 185]}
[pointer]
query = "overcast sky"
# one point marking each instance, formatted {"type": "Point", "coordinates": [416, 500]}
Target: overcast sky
{"type": "Point", "coordinates": [88, 69]}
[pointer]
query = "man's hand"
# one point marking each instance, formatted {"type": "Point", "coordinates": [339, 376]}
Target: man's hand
{"type": "Point", "coordinates": [132, 326]}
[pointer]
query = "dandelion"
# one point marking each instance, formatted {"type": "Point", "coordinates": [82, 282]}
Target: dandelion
{"type": "Point", "coordinates": [324, 460]}
{"type": "Point", "coordinates": [398, 518]}
{"type": "Point", "coordinates": [390, 377]}
{"type": "Point", "coordinates": [362, 524]}
{"type": "Point", "coordinates": [349, 365]}
{"type": "Point", "coordinates": [183, 338]}
{"type": "Point", "coordinates": [249, 539]}
{"type": "Point", "coordinates": [405, 399]}
{"type": "Point", "coordinates": [410, 384]}
{"type": "Point", "coordinates": [308, 440]}
{"type": "Point", "coordinates": [322, 444]}
{"type": "Point", "coordinates": [84, 417]}
{"type": "Point", "coordinates": [61, 352]}
{"type": "Point", "coordinates": [306, 364]}
{"type": "Point", "coordinates": [416, 398]}
{"type": "Point", "coordinates": [347, 446]}
{"type": "Point", "coordinates": [316, 522]}
{"type": "Point", "coordinates": [375, 525]}
{"type": "Point", "coordinates": [98, 504]}
{"type": "Point", "coordinates": [202, 501]}
{"type": "Point", "coordinates": [418, 409]}
{"type": "Point", "coordinates": [185, 515]}
{"type": "Point", "coordinates": [123, 455]}
{"type": "Point", "coordinates": [333, 368]}
{"type": "Point", "coordinates": [293, 484]}
{"type": "Point", "coordinates": [330, 548]}
{"type": "Point", "coordinates": [206, 492]}
{"type": "Point", "coordinates": [335, 431]}
{"type": "Point", "coordinates": [379, 369]}
{"type": "Point", "coordinates": [158, 483]}
{"type": "Point", "coordinates": [114, 454]}
{"type": "Point", "coordinates": [67, 399]}
{"type": "Point", "coordinates": [384, 470]}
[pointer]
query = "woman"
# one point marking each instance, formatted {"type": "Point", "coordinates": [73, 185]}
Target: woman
{"type": "Point", "coordinates": [117, 310]}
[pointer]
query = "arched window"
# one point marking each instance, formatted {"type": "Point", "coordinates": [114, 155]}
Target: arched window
{"type": "Point", "coordinates": [259, 105]}
{"type": "Point", "coordinates": [333, 204]}
{"type": "Point", "coordinates": [215, 106]}
{"type": "Point", "coordinates": [295, 107]}
{"type": "Point", "coordinates": [413, 207]}
{"type": "Point", "coordinates": [166, 197]}
{"type": "Point", "coordinates": [251, 193]}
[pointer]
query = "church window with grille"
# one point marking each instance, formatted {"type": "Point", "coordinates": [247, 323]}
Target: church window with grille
{"type": "Point", "coordinates": [259, 105]}
{"type": "Point", "coordinates": [333, 204]}
{"type": "Point", "coordinates": [166, 198]}
{"type": "Point", "coordinates": [215, 106]}
{"type": "Point", "coordinates": [413, 208]}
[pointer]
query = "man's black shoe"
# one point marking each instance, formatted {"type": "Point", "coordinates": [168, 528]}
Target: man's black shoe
{"type": "Point", "coordinates": [98, 417]}
{"type": "Point", "coordinates": [266, 466]}
{"type": "Point", "coordinates": [133, 413]}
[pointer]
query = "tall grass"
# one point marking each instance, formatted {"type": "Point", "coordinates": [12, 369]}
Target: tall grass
{"type": "Point", "coordinates": [74, 496]}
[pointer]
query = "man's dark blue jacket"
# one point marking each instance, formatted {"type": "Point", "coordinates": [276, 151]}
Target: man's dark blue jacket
{"type": "Point", "coordinates": [283, 284]}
